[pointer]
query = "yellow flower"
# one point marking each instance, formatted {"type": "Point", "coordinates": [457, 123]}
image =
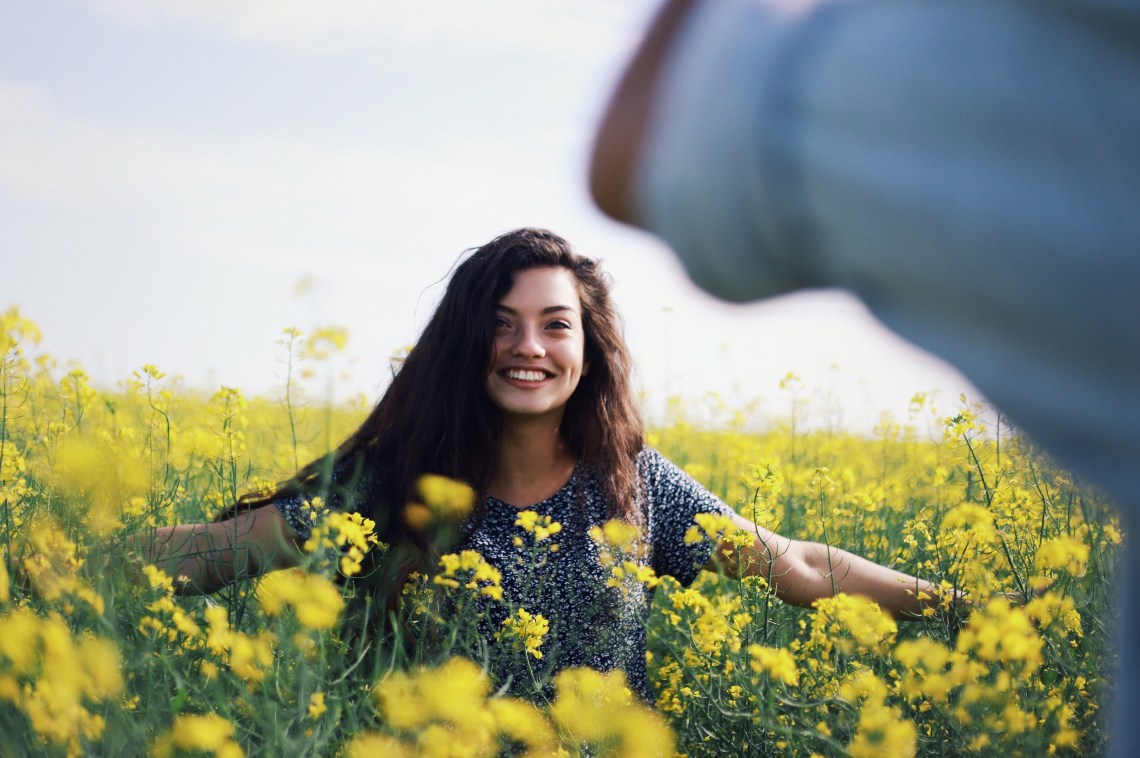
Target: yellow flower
{"type": "Point", "coordinates": [448, 711]}
{"type": "Point", "coordinates": [446, 497]}
{"type": "Point", "coordinates": [324, 341]}
{"type": "Point", "coordinates": [100, 482]}
{"type": "Point", "coordinates": [1004, 634]}
{"type": "Point", "coordinates": [5, 590]}
{"type": "Point", "coordinates": [969, 516]}
{"type": "Point", "coordinates": [54, 677]}
{"type": "Point", "coordinates": [529, 630]}
{"type": "Point", "coordinates": [316, 600]}
{"type": "Point", "coordinates": [522, 722]}
{"type": "Point", "coordinates": [372, 744]}
{"type": "Point", "coordinates": [778, 663]}
{"type": "Point", "coordinates": [210, 733]}
{"type": "Point", "coordinates": [924, 660]}
{"type": "Point", "coordinates": [849, 623]}
{"type": "Point", "coordinates": [542, 527]}
{"type": "Point", "coordinates": [469, 570]}
{"type": "Point", "coordinates": [630, 574]}
{"type": "Point", "coordinates": [883, 733]}
{"type": "Point", "coordinates": [709, 526]}
{"type": "Point", "coordinates": [592, 707]}
{"type": "Point", "coordinates": [351, 534]}
{"type": "Point", "coordinates": [317, 705]}
{"type": "Point", "coordinates": [1063, 553]}
{"type": "Point", "coordinates": [248, 657]}
{"type": "Point", "coordinates": [615, 533]}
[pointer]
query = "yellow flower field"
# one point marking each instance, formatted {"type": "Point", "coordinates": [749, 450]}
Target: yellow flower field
{"type": "Point", "coordinates": [99, 655]}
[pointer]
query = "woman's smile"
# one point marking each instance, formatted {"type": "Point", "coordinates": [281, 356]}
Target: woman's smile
{"type": "Point", "coordinates": [539, 344]}
{"type": "Point", "coordinates": [525, 376]}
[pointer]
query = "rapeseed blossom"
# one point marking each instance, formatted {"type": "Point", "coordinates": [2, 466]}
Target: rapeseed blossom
{"type": "Point", "coordinates": [57, 680]}
{"type": "Point", "coordinates": [850, 624]}
{"type": "Point", "coordinates": [529, 630]}
{"type": "Point", "coordinates": [616, 533]}
{"type": "Point", "coordinates": [471, 571]}
{"type": "Point", "coordinates": [347, 535]}
{"type": "Point", "coordinates": [447, 711]}
{"type": "Point", "coordinates": [315, 600]}
{"type": "Point", "coordinates": [541, 528]}
{"type": "Point", "coordinates": [709, 526]}
{"type": "Point", "coordinates": [777, 663]}
{"type": "Point", "coordinates": [630, 574]}
{"type": "Point", "coordinates": [445, 496]}
{"type": "Point", "coordinates": [248, 656]}
{"type": "Point", "coordinates": [55, 567]}
{"type": "Point", "coordinates": [1002, 633]}
{"type": "Point", "coordinates": [91, 663]}
{"type": "Point", "coordinates": [442, 501]}
{"type": "Point", "coordinates": [1063, 553]}
{"type": "Point", "coordinates": [621, 546]}
{"type": "Point", "coordinates": [598, 710]}
{"type": "Point", "coordinates": [209, 733]}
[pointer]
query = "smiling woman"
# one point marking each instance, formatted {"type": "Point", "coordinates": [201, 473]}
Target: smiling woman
{"type": "Point", "coordinates": [520, 388]}
{"type": "Point", "coordinates": [539, 350]}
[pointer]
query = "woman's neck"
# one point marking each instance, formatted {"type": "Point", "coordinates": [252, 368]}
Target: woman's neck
{"type": "Point", "coordinates": [534, 462]}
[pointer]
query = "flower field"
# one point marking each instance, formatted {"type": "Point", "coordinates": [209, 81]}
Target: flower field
{"type": "Point", "coordinates": [99, 655]}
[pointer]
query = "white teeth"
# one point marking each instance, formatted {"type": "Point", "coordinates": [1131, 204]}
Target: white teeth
{"type": "Point", "coordinates": [526, 376]}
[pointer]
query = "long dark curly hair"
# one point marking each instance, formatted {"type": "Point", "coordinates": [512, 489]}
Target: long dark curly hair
{"type": "Point", "coordinates": [436, 417]}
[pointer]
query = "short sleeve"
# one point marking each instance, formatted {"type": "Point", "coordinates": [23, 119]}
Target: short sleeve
{"type": "Point", "coordinates": [297, 514]}
{"type": "Point", "coordinates": [674, 499]}
{"type": "Point", "coordinates": [346, 490]}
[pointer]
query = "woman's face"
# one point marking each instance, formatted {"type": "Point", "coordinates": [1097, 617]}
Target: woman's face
{"type": "Point", "coordinates": [538, 356]}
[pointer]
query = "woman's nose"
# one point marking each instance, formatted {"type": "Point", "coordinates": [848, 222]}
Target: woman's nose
{"type": "Point", "coordinates": [527, 344]}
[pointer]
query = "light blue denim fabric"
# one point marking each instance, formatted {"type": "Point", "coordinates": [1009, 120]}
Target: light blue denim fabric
{"type": "Point", "coordinates": [969, 168]}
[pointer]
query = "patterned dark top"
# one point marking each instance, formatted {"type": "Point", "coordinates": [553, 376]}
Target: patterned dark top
{"type": "Point", "coordinates": [591, 624]}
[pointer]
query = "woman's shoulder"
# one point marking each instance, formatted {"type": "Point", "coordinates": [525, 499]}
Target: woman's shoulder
{"type": "Point", "coordinates": [650, 456]}
{"type": "Point", "coordinates": [653, 465]}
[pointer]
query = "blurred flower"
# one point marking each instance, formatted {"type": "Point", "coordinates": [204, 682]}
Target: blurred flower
{"type": "Point", "coordinates": [778, 663]}
{"type": "Point", "coordinates": [1063, 553]}
{"type": "Point", "coordinates": [324, 341]}
{"type": "Point", "coordinates": [210, 733]}
{"type": "Point", "coordinates": [446, 497]}
{"type": "Point", "coordinates": [448, 711]}
{"type": "Point", "coordinates": [316, 601]}
{"type": "Point", "coordinates": [56, 679]}
{"type": "Point", "coordinates": [596, 711]}
{"type": "Point", "coordinates": [317, 705]}
{"type": "Point", "coordinates": [249, 657]}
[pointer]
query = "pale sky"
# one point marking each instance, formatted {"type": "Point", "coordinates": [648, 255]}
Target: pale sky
{"type": "Point", "coordinates": [181, 180]}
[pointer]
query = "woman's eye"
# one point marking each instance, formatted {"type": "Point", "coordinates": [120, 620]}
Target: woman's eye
{"type": "Point", "coordinates": [560, 325]}
{"type": "Point", "coordinates": [501, 323]}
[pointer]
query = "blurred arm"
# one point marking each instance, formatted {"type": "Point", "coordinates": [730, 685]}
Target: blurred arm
{"type": "Point", "coordinates": [617, 144]}
{"type": "Point", "coordinates": [203, 558]}
{"type": "Point", "coordinates": [803, 572]}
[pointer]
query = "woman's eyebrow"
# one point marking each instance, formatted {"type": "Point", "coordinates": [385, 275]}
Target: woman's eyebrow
{"type": "Point", "coordinates": [547, 310]}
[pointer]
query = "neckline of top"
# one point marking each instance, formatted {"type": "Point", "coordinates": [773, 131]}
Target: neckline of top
{"type": "Point", "coordinates": [551, 498]}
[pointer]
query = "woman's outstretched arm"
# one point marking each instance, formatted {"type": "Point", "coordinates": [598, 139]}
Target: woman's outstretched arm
{"type": "Point", "coordinates": [802, 572]}
{"type": "Point", "coordinates": [203, 558]}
